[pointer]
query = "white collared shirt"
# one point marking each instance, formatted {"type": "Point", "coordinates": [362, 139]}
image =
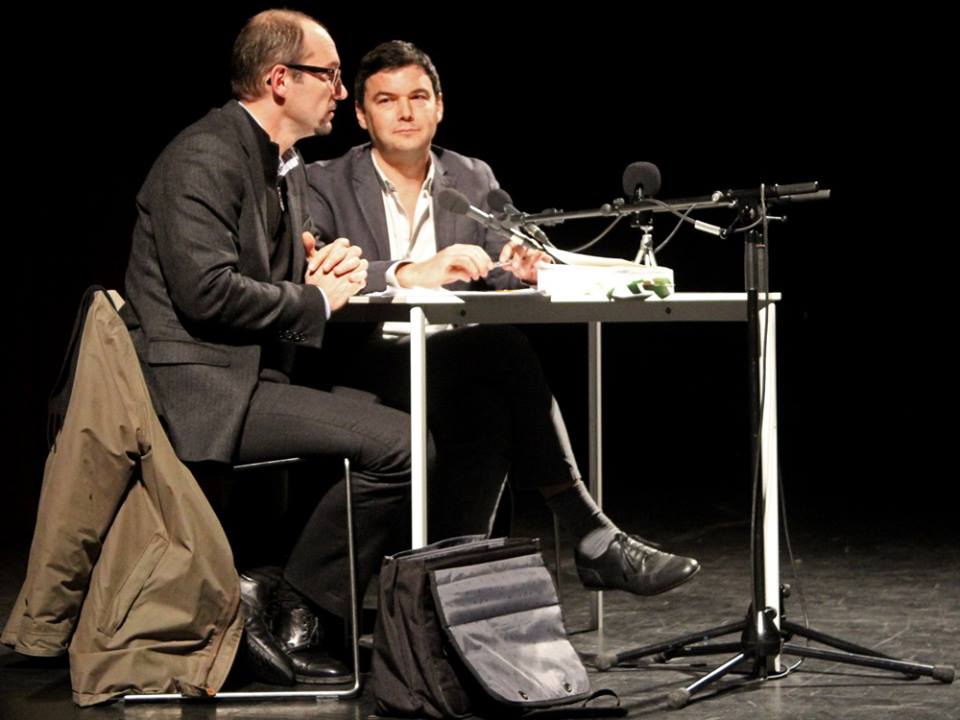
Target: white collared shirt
{"type": "Point", "coordinates": [417, 240]}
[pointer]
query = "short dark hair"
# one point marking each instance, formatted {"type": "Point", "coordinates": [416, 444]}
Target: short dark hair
{"type": "Point", "coordinates": [268, 38]}
{"type": "Point", "coordinates": [389, 56]}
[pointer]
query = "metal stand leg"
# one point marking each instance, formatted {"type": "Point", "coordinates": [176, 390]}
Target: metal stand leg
{"type": "Point", "coordinates": [762, 641]}
{"type": "Point", "coordinates": [595, 429]}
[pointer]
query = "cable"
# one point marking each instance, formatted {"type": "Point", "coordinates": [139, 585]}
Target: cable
{"type": "Point", "coordinates": [676, 227]}
{"type": "Point", "coordinates": [794, 571]}
{"type": "Point", "coordinates": [684, 217]}
{"type": "Point", "coordinates": [745, 227]}
{"type": "Point", "coordinates": [598, 238]}
{"type": "Point", "coordinates": [761, 379]}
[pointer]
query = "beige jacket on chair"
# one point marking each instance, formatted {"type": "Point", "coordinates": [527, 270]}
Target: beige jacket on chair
{"type": "Point", "coordinates": [129, 570]}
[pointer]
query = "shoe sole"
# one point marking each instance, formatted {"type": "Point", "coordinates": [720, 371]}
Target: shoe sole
{"type": "Point", "coordinates": [591, 580]}
{"type": "Point", "coordinates": [310, 680]}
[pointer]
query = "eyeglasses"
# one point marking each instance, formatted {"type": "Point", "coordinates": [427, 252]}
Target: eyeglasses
{"type": "Point", "coordinates": [330, 74]}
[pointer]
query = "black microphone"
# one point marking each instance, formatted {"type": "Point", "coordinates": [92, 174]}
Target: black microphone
{"type": "Point", "coordinates": [500, 201]}
{"type": "Point", "coordinates": [457, 203]}
{"type": "Point", "coordinates": [641, 180]}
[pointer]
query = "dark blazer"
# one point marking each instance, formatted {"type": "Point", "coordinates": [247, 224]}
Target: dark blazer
{"type": "Point", "coordinates": [345, 200]}
{"type": "Point", "coordinates": [201, 302]}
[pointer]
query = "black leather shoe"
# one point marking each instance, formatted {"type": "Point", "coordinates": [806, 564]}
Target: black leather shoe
{"type": "Point", "coordinates": [264, 654]}
{"type": "Point", "coordinates": [630, 565]}
{"type": "Point", "coordinates": [302, 636]}
{"type": "Point", "coordinates": [315, 666]}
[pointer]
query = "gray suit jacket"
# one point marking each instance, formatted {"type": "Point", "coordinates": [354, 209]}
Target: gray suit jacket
{"type": "Point", "coordinates": [201, 302]}
{"type": "Point", "coordinates": [345, 200]}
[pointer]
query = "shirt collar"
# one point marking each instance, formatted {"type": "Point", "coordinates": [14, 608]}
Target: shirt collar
{"type": "Point", "coordinates": [389, 187]}
{"type": "Point", "coordinates": [285, 163]}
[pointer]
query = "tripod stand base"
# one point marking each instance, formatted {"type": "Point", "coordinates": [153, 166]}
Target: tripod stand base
{"type": "Point", "coordinates": [678, 698]}
{"type": "Point", "coordinates": [760, 642]}
{"type": "Point", "coordinates": [943, 673]}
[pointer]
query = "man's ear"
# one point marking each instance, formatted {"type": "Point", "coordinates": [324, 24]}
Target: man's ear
{"type": "Point", "coordinates": [361, 116]}
{"type": "Point", "coordinates": [279, 80]}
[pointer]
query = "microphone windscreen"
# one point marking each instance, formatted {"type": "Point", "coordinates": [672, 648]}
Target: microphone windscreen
{"type": "Point", "coordinates": [454, 201]}
{"type": "Point", "coordinates": [498, 199]}
{"type": "Point", "coordinates": [644, 175]}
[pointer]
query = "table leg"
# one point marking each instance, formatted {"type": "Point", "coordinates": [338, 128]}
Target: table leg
{"type": "Point", "coordinates": [418, 427]}
{"type": "Point", "coordinates": [595, 430]}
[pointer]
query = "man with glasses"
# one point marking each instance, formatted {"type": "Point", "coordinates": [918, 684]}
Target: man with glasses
{"type": "Point", "coordinates": [489, 406]}
{"type": "Point", "coordinates": [225, 282]}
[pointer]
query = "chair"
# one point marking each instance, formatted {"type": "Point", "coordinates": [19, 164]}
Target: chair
{"type": "Point", "coordinates": [355, 686]}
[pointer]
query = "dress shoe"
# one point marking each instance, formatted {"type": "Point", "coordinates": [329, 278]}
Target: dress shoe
{"type": "Point", "coordinates": [628, 564]}
{"type": "Point", "coordinates": [302, 636]}
{"type": "Point", "coordinates": [264, 654]}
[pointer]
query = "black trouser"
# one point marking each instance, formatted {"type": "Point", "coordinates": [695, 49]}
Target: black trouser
{"type": "Point", "coordinates": [295, 421]}
{"type": "Point", "coordinates": [489, 410]}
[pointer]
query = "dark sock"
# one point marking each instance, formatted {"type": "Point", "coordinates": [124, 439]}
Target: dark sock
{"type": "Point", "coordinates": [595, 543]}
{"type": "Point", "coordinates": [578, 512]}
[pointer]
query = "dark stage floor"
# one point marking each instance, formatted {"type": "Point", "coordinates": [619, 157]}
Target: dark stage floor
{"type": "Point", "coordinates": [898, 593]}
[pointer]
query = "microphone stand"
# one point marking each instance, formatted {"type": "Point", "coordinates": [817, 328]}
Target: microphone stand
{"type": "Point", "coordinates": [762, 637]}
{"type": "Point", "coordinates": [619, 208]}
{"type": "Point", "coordinates": [645, 255]}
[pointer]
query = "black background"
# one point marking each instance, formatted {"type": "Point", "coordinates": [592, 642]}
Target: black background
{"type": "Point", "coordinates": [559, 102]}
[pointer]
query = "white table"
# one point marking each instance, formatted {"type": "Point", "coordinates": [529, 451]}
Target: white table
{"type": "Point", "coordinates": [515, 309]}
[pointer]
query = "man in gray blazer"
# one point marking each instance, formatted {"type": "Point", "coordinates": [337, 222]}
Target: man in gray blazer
{"type": "Point", "coordinates": [225, 282]}
{"type": "Point", "coordinates": [489, 405]}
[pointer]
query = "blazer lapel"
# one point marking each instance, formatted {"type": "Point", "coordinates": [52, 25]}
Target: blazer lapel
{"type": "Point", "coordinates": [446, 224]}
{"type": "Point", "coordinates": [255, 165]}
{"type": "Point", "coordinates": [296, 183]}
{"type": "Point", "coordinates": [369, 196]}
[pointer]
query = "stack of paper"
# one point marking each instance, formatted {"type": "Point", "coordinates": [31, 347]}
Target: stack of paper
{"type": "Point", "coordinates": [594, 277]}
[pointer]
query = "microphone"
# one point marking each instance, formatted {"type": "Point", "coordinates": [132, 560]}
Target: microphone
{"type": "Point", "coordinates": [641, 180]}
{"type": "Point", "coordinates": [709, 228]}
{"type": "Point", "coordinates": [500, 201]}
{"type": "Point", "coordinates": [457, 203]}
